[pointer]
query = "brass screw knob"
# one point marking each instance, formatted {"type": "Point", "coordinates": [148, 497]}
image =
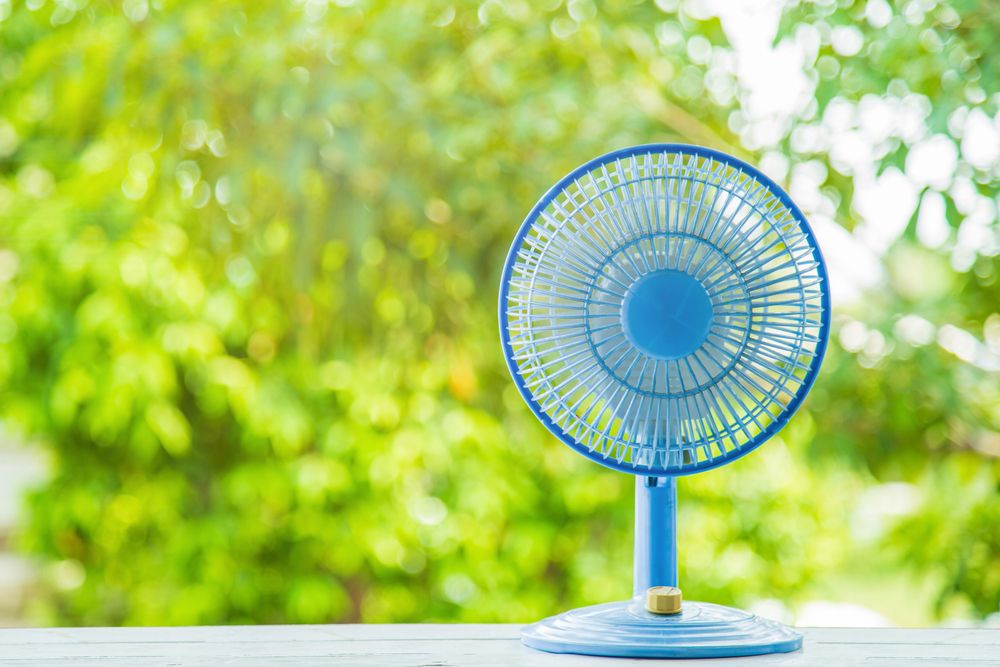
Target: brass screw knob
{"type": "Point", "coordinates": [664, 600]}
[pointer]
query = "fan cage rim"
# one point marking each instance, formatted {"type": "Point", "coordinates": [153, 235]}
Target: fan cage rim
{"type": "Point", "coordinates": [687, 150]}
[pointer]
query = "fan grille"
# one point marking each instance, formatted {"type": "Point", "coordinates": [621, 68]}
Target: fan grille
{"type": "Point", "coordinates": [625, 218]}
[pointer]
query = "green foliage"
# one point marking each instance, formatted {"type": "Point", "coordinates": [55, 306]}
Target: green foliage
{"type": "Point", "coordinates": [250, 259]}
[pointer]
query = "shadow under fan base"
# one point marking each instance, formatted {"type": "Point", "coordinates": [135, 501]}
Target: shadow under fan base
{"type": "Point", "coordinates": [626, 630]}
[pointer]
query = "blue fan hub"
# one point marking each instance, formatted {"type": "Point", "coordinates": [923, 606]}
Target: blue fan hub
{"type": "Point", "coordinates": [667, 314]}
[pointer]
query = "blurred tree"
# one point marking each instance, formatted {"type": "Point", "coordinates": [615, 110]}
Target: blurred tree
{"type": "Point", "coordinates": [249, 261]}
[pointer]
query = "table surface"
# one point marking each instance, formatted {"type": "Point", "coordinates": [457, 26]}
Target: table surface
{"type": "Point", "coordinates": [441, 645]}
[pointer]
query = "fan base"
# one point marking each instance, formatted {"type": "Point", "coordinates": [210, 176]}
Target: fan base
{"type": "Point", "coordinates": [627, 630]}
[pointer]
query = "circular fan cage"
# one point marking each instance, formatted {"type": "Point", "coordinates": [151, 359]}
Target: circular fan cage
{"type": "Point", "coordinates": [664, 309]}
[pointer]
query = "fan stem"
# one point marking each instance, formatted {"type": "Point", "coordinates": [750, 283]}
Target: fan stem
{"type": "Point", "coordinates": [655, 559]}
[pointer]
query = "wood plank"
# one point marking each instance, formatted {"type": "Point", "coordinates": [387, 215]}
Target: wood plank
{"type": "Point", "coordinates": [445, 645]}
{"type": "Point", "coordinates": [420, 632]}
{"type": "Point", "coordinates": [257, 633]}
{"type": "Point", "coordinates": [973, 636]}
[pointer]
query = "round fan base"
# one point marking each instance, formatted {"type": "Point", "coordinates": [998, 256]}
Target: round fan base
{"type": "Point", "coordinates": [627, 630]}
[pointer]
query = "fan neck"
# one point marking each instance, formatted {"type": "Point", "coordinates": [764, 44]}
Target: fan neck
{"type": "Point", "coordinates": [655, 550]}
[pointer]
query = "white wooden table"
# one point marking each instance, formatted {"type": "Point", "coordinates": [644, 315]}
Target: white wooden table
{"type": "Point", "coordinates": [439, 645]}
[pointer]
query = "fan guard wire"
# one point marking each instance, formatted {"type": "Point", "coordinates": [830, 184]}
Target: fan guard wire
{"type": "Point", "coordinates": [664, 209]}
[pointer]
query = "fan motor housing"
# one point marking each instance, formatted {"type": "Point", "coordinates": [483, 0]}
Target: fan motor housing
{"type": "Point", "coordinates": [667, 314]}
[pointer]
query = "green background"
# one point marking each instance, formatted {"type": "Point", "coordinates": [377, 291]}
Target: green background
{"type": "Point", "coordinates": [249, 258]}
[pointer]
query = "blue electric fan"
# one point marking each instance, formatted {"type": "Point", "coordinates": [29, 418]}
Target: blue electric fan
{"type": "Point", "coordinates": [664, 309]}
